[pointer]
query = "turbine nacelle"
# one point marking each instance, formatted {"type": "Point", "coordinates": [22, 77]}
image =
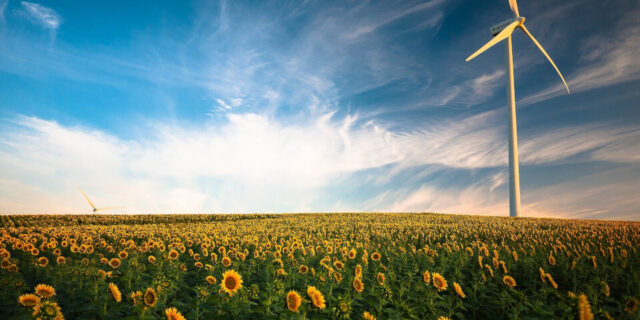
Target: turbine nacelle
{"type": "Point", "coordinates": [500, 26]}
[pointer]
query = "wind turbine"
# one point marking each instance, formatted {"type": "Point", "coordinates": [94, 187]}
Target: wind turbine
{"type": "Point", "coordinates": [500, 32]}
{"type": "Point", "coordinates": [95, 210]}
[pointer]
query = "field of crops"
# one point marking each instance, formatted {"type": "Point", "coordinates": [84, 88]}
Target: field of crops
{"type": "Point", "coordinates": [317, 266]}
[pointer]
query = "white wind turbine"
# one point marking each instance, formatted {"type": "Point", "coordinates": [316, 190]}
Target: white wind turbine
{"type": "Point", "coordinates": [500, 32]}
{"type": "Point", "coordinates": [95, 210]}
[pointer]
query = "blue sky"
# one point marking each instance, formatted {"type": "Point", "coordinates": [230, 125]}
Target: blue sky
{"type": "Point", "coordinates": [289, 106]}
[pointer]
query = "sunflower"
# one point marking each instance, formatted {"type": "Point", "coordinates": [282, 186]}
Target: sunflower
{"type": "Point", "coordinates": [338, 264]}
{"type": "Point", "coordinates": [151, 259]}
{"type": "Point", "coordinates": [61, 260]}
{"type": "Point", "coordinates": [114, 263]}
{"type": "Point", "coordinates": [458, 290]}
{"type": "Point", "coordinates": [280, 272]}
{"type": "Point", "coordinates": [226, 261]}
{"type": "Point", "coordinates": [357, 285]}
{"type": "Point", "coordinates": [584, 308]}
{"type": "Point", "coordinates": [231, 282]}
{"type": "Point", "coordinates": [211, 280]}
{"type": "Point", "coordinates": [426, 276]}
{"type": "Point", "coordinates": [352, 254]}
{"type": "Point", "coordinates": [509, 281]}
{"type": "Point", "coordinates": [380, 278]}
{"type": "Point", "coordinates": [293, 301]}
{"type": "Point", "coordinates": [45, 291]}
{"type": "Point", "coordinates": [368, 316]}
{"type": "Point", "coordinates": [605, 289]}
{"type": "Point", "coordinates": [43, 261]}
{"type": "Point", "coordinates": [316, 297]}
{"type": "Point", "coordinates": [173, 254]}
{"type": "Point", "coordinates": [150, 297]}
{"type": "Point", "coordinates": [375, 256]}
{"type": "Point", "coordinates": [135, 297]}
{"type": "Point", "coordinates": [443, 318]}
{"type": "Point", "coordinates": [303, 269]}
{"type": "Point", "coordinates": [47, 310]}
{"type": "Point", "coordinates": [551, 281]}
{"type": "Point", "coordinates": [439, 282]}
{"type": "Point", "coordinates": [552, 260]}
{"type": "Point", "coordinates": [123, 254]}
{"type": "Point", "coordinates": [115, 292]}
{"type": "Point", "coordinates": [173, 314]}
{"type": "Point", "coordinates": [29, 300]}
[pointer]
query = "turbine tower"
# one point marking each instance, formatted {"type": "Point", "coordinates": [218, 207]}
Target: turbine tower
{"type": "Point", "coordinates": [501, 32]}
{"type": "Point", "coordinates": [95, 210]}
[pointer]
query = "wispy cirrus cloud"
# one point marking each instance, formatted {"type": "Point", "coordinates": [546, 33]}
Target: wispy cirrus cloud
{"type": "Point", "coordinates": [44, 16]}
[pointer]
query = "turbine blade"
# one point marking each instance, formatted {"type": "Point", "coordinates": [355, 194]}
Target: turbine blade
{"type": "Point", "coordinates": [545, 54]}
{"type": "Point", "coordinates": [514, 7]}
{"type": "Point", "coordinates": [85, 196]}
{"type": "Point", "coordinates": [499, 37]}
{"type": "Point", "coordinates": [109, 208]}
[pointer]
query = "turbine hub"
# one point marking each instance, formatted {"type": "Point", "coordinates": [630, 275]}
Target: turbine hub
{"type": "Point", "coordinates": [500, 26]}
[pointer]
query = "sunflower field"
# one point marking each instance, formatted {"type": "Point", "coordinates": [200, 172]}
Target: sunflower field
{"type": "Point", "coordinates": [317, 266]}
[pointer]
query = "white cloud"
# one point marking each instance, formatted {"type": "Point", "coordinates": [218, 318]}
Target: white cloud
{"type": "Point", "coordinates": [3, 8]}
{"type": "Point", "coordinates": [42, 15]}
{"type": "Point", "coordinates": [254, 163]}
{"type": "Point", "coordinates": [605, 59]}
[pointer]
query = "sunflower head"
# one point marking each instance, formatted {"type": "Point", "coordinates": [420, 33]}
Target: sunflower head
{"type": "Point", "coordinates": [293, 301]}
{"type": "Point", "coordinates": [173, 314]}
{"type": "Point", "coordinates": [231, 282]}
{"type": "Point", "coordinates": [426, 276]}
{"type": "Point", "coordinates": [45, 291]}
{"type": "Point", "coordinates": [115, 292]}
{"type": "Point", "coordinates": [150, 297]}
{"type": "Point", "coordinates": [114, 263]}
{"type": "Point", "coordinates": [458, 290]}
{"type": "Point", "coordinates": [29, 300]}
{"type": "Point", "coordinates": [357, 285]}
{"type": "Point", "coordinates": [317, 298]}
{"type": "Point", "coordinates": [47, 310]}
{"type": "Point", "coordinates": [439, 282]}
{"type": "Point", "coordinates": [368, 316]}
{"type": "Point", "coordinates": [509, 281]}
{"type": "Point", "coordinates": [380, 278]}
{"type": "Point", "coordinates": [211, 280]}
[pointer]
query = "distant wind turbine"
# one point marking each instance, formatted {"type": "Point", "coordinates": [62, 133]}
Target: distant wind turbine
{"type": "Point", "coordinates": [95, 210]}
{"type": "Point", "coordinates": [500, 32]}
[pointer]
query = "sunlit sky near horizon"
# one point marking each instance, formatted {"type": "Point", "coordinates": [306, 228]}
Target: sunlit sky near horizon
{"type": "Point", "coordinates": [316, 106]}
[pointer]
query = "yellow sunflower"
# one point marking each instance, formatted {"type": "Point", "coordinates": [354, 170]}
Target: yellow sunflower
{"type": "Point", "coordinates": [136, 297]}
{"type": "Point", "coordinates": [29, 300]}
{"type": "Point", "coordinates": [293, 301]}
{"type": "Point", "coordinates": [317, 298]}
{"type": "Point", "coordinates": [45, 291]}
{"type": "Point", "coordinates": [458, 290]}
{"type": "Point", "coordinates": [357, 285]}
{"type": "Point", "coordinates": [231, 282]}
{"type": "Point", "coordinates": [211, 280]}
{"type": "Point", "coordinates": [426, 277]}
{"type": "Point", "coordinates": [114, 263]}
{"type": "Point", "coordinates": [375, 256]}
{"type": "Point", "coordinates": [47, 310]}
{"type": "Point", "coordinates": [115, 292]}
{"type": "Point", "coordinates": [380, 278]}
{"type": "Point", "coordinates": [584, 308]}
{"type": "Point", "coordinates": [150, 297]}
{"type": "Point", "coordinates": [226, 261]}
{"type": "Point", "coordinates": [439, 282]}
{"type": "Point", "coordinates": [509, 281]}
{"type": "Point", "coordinates": [173, 314]}
{"type": "Point", "coordinates": [368, 316]}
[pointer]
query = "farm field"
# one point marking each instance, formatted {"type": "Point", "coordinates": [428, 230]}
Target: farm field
{"type": "Point", "coordinates": [317, 266]}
